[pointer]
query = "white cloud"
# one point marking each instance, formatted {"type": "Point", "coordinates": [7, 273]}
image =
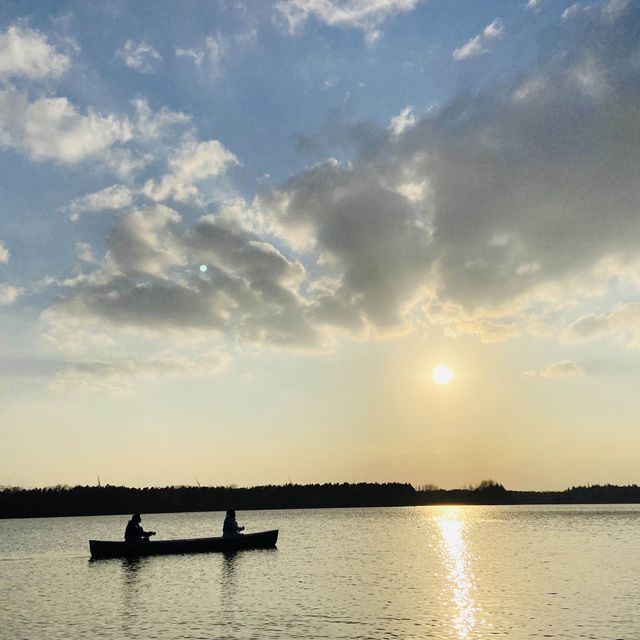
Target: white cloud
{"type": "Point", "coordinates": [533, 5]}
{"type": "Point", "coordinates": [53, 129]}
{"type": "Point", "coordinates": [414, 191]}
{"type": "Point", "coordinates": [208, 57]}
{"type": "Point", "coordinates": [494, 30]}
{"type": "Point", "coordinates": [84, 252]}
{"type": "Point", "coordinates": [9, 294]}
{"type": "Point", "coordinates": [197, 55]}
{"type": "Point", "coordinates": [27, 53]}
{"type": "Point", "coordinates": [366, 15]}
{"type": "Point", "coordinates": [473, 47]}
{"type": "Point", "coordinates": [403, 121]}
{"type": "Point", "coordinates": [192, 163]}
{"type": "Point", "coordinates": [150, 125]}
{"type": "Point", "coordinates": [125, 162]}
{"type": "Point", "coordinates": [571, 11]}
{"type": "Point", "coordinates": [109, 199]}
{"type": "Point", "coordinates": [480, 44]}
{"type": "Point", "coordinates": [140, 56]}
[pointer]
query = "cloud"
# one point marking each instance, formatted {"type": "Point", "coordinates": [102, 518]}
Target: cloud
{"type": "Point", "coordinates": [489, 325]}
{"type": "Point", "coordinates": [519, 206]}
{"type": "Point", "coordinates": [611, 10]}
{"type": "Point", "coordinates": [533, 5]}
{"type": "Point", "coordinates": [192, 163]}
{"type": "Point", "coordinates": [615, 9]}
{"type": "Point", "coordinates": [150, 283]}
{"type": "Point", "coordinates": [141, 242]}
{"type": "Point", "coordinates": [355, 14]}
{"type": "Point", "coordinates": [53, 129]}
{"type": "Point", "coordinates": [473, 47]}
{"type": "Point", "coordinates": [370, 236]}
{"type": "Point", "coordinates": [481, 221]}
{"type": "Point", "coordinates": [149, 125]}
{"type": "Point", "coordinates": [403, 121]}
{"type": "Point", "coordinates": [9, 294]}
{"type": "Point", "coordinates": [523, 202]}
{"type": "Point", "coordinates": [140, 56]}
{"type": "Point", "coordinates": [494, 30]}
{"type": "Point", "coordinates": [480, 44]}
{"type": "Point", "coordinates": [75, 338]}
{"type": "Point", "coordinates": [209, 56]}
{"type": "Point", "coordinates": [84, 252]}
{"type": "Point", "coordinates": [572, 11]}
{"type": "Point", "coordinates": [109, 199]}
{"type": "Point", "coordinates": [621, 324]}
{"type": "Point", "coordinates": [121, 376]}
{"type": "Point", "coordinates": [27, 53]}
{"type": "Point", "coordinates": [562, 369]}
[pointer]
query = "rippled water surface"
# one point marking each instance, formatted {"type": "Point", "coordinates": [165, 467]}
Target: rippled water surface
{"type": "Point", "coordinates": [425, 572]}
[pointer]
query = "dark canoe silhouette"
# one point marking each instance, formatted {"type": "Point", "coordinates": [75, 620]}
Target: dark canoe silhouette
{"type": "Point", "coordinates": [109, 549]}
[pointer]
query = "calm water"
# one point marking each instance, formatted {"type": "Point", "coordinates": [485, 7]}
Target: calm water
{"type": "Point", "coordinates": [426, 572]}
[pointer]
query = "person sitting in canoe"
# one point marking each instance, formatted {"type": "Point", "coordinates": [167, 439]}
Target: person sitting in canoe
{"type": "Point", "coordinates": [230, 527]}
{"type": "Point", "coordinates": [134, 532]}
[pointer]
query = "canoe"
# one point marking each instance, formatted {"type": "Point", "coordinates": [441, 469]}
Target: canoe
{"type": "Point", "coordinates": [117, 549]}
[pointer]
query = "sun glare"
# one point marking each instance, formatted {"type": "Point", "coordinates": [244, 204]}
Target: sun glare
{"type": "Point", "coordinates": [442, 374]}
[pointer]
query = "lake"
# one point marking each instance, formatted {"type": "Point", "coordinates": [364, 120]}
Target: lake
{"type": "Point", "coordinates": [423, 572]}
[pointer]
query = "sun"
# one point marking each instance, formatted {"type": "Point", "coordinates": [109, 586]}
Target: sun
{"type": "Point", "coordinates": [442, 374]}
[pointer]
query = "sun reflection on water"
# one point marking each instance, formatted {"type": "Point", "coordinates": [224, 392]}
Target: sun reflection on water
{"type": "Point", "coordinates": [456, 558]}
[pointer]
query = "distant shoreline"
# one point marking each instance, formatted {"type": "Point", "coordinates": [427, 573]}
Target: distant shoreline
{"type": "Point", "coordinates": [114, 500]}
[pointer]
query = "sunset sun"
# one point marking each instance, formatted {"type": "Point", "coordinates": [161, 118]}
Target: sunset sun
{"type": "Point", "coordinates": [442, 374]}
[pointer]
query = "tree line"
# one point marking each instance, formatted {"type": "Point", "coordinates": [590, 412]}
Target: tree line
{"type": "Point", "coordinates": [17, 502]}
{"type": "Point", "coordinates": [111, 500]}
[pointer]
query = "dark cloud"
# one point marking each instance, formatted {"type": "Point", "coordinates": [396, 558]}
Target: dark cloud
{"type": "Point", "coordinates": [527, 189]}
{"type": "Point", "coordinates": [150, 280]}
{"type": "Point", "coordinates": [535, 181]}
{"type": "Point", "coordinates": [370, 237]}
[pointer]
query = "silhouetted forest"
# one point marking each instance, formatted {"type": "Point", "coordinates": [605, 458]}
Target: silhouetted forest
{"type": "Point", "coordinates": [107, 500]}
{"type": "Point", "coordinates": [489, 492]}
{"type": "Point", "coordinates": [112, 500]}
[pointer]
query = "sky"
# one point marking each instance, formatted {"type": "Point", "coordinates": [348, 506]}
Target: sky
{"type": "Point", "coordinates": [236, 238]}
